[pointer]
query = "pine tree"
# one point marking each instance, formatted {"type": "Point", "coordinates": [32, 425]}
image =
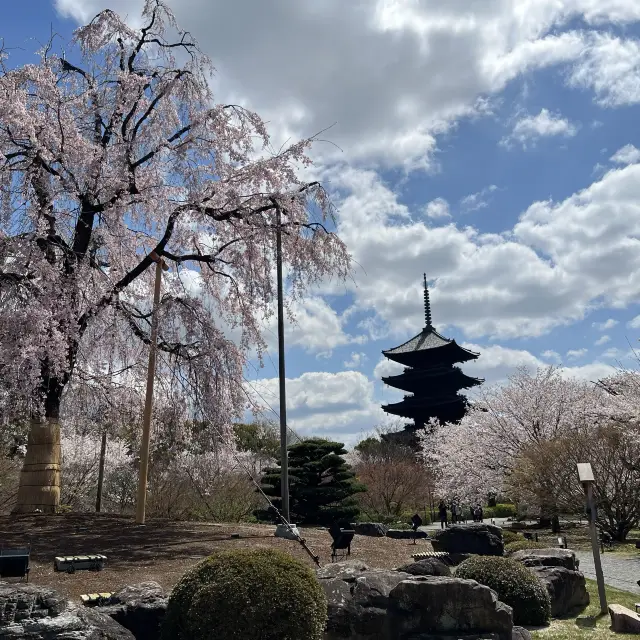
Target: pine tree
{"type": "Point", "coordinates": [322, 486]}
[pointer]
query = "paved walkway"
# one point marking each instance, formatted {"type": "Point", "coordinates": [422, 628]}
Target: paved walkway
{"type": "Point", "coordinates": [620, 571]}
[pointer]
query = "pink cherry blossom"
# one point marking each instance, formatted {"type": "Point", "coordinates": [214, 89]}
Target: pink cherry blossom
{"type": "Point", "coordinates": [114, 152]}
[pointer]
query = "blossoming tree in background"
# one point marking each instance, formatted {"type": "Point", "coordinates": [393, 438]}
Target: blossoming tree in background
{"type": "Point", "coordinates": [479, 455]}
{"type": "Point", "coordinates": [107, 160]}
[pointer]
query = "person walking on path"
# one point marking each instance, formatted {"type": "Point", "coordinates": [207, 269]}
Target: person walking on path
{"type": "Point", "coordinates": [442, 510]}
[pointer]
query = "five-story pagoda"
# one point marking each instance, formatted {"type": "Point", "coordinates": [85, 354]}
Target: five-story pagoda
{"type": "Point", "coordinates": [430, 376]}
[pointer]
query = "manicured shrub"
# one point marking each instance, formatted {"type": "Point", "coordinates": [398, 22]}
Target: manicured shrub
{"type": "Point", "coordinates": [519, 545]}
{"type": "Point", "coordinates": [501, 510]}
{"type": "Point", "coordinates": [253, 594]}
{"type": "Point", "coordinates": [515, 585]}
{"type": "Point", "coordinates": [509, 536]}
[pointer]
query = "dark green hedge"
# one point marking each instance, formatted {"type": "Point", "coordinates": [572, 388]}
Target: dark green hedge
{"type": "Point", "coordinates": [247, 594]}
{"type": "Point", "coordinates": [515, 585]}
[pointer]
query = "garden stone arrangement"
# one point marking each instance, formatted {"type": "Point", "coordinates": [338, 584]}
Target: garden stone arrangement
{"type": "Point", "coordinates": [370, 604]}
{"type": "Point", "coordinates": [478, 596]}
{"type": "Point", "coordinates": [477, 538]}
{"type": "Point", "coordinates": [36, 613]}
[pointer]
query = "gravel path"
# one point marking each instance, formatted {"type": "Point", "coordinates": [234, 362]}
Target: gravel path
{"type": "Point", "coordinates": [620, 571]}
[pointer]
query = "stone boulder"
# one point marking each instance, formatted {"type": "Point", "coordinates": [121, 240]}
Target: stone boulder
{"type": "Point", "coordinates": [547, 558]}
{"type": "Point", "coordinates": [374, 529]}
{"type": "Point", "coordinates": [446, 606]}
{"type": "Point", "coordinates": [624, 620]}
{"type": "Point", "coordinates": [426, 567]}
{"type": "Point", "coordinates": [347, 571]}
{"type": "Point", "coordinates": [378, 604]}
{"type": "Point", "coordinates": [476, 538]}
{"type": "Point", "coordinates": [406, 534]}
{"type": "Point", "coordinates": [567, 589]}
{"type": "Point", "coordinates": [29, 612]}
{"type": "Point", "coordinates": [520, 633]}
{"type": "Point", "coordinates": [139, 608]}
{"type": "Point", "coordinates": [357, 603]}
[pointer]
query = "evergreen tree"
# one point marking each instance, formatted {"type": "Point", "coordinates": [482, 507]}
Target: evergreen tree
{"type": "Point", "coordinates": [322, 486]}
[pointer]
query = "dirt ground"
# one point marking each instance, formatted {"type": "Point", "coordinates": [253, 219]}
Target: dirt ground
{"type": "Point", "coordinates": [163, 550]}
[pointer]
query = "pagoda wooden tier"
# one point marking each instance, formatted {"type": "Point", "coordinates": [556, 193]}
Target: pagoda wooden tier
{"type": "Point", "coordinates": [430, 376]}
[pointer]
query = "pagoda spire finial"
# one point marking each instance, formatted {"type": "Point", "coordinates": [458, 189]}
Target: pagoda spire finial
{"type": "Point", "coordinates": [427, 305]}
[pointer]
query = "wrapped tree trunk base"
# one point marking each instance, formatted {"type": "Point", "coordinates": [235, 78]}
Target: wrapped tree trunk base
{"type": "Point", "coordinates": [39, 488]}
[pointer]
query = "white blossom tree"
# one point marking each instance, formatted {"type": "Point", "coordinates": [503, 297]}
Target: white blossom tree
{"type": "Point", "coordinates": [479, 455]}
{"type": "Point", "coordinates": [113, 158]}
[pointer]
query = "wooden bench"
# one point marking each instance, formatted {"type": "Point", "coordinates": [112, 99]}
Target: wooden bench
{"type": "Point", "coordinates": [71, 564]}
{"type": "Point", "coordinates": [429, 554]}
{"type": "Point", "coordinates": [96, 599]}
{"type": "Point", "coordinates": [14, 563]}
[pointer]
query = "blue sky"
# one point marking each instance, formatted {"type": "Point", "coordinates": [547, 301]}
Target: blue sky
{"type": "Point", "coordinates": [492, 145]}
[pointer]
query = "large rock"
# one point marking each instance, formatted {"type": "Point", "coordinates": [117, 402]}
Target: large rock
{"type": "Point", "coordinates": [520, 633]}
{"type": "Point", "coordinates": [446, 606]}
{"type": "Point", "coordinates": [567, 589]}
{"type": "Point", "coordinates": [477, 538]}
{"type": "Point", "coordinates": [363, 607]}
{"type": "Point", "coordinates": [29, 612]}
{"type": "Point", "coordinates": [624, 620]}
{"type": "Point", "coordinates": [547, 558]}
{"type": "Point", "coordinates": [374, 529]}
{"type": "Point", "coordinates": [426, 567]}
{"type": "Point", "coordinates": [139, 608]}
{"type": "Point", "coordinates": [406, 534]}
{"type": "Point", "coordinates": [347, 571]}
{"type": "Point", "coordinates": [357, 602]}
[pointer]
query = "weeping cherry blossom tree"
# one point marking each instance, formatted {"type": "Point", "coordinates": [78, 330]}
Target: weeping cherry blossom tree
{"type": "Point", "coordinates": [111, 155]}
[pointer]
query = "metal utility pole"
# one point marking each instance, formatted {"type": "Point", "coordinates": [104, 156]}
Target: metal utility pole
{"type": "Point", "coordinates": [284, 462]}
{"type": "Point", "coordinates": [585, 473]}
{"type": "Point", "coordinates": [141, 502]}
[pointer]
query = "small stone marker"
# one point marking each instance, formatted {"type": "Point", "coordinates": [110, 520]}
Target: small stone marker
{"type": "Point", "coordinates": [290, 533]}
{"type": "Point", "coordinates": [624, 620]}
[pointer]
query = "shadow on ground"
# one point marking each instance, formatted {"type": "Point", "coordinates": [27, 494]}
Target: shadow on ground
{"type": "Point", "coordinates": [117, 537]}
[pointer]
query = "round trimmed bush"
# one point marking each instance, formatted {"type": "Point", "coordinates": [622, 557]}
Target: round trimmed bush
{"type": "Point", "coordinates": [519, 545]}
{"type": "Point", "coordinates": [253, 594]}
{"type": "Point", "coordinates": [515, 585]}
{"type": "Point", "coordinates": [509, 536]}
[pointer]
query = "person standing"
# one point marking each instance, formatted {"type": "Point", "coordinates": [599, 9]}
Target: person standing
{"type": "Point", "coordinates": [442, 511]}
{"type": "Point", "coordinates": [454, 513]}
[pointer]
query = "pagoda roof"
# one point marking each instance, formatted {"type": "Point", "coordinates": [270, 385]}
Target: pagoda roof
{"type": "Point", "coordinates": [432, 377]}
{"type": "Point", "coordinates": [431, 344]}
{"type": "Point", "coordinates": [450, 408]}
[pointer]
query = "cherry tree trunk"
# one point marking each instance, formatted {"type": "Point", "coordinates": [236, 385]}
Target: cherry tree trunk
{"type": "Point", "coordinates": [40, 476]}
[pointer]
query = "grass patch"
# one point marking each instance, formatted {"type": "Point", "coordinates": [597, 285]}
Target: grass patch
{"type": "Point", "coordinates": [589, 624]}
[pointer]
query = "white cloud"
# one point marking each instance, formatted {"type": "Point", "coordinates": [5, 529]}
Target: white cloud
{"type": "Point", "coordinates": [476, 201]}
{"type": "Point", "coordinates": [551, 355]}
{"type": "Point", "coordinates": [386, 367]}
{"type": "Point", "coordinates": [317, 328]}
{"type": "Point", "coordinates": [392, 75]}
{"type": "Point", "coordinates": [529, 129]}
{"type": "Point", "coordinates": [634, 323]}
{"type": "Point", "coordinates": [438, 208]}
{"type": "Point", "coordinates": [609, 66]}
{"type": "Point", "coordinates": [626, 155]}
{"type": "Point", "coordinates": [593, 371]}
{"type": "Point", "coordinates": [356, 360]}
{"type": "Point", "coordinates": [602, 340]}
{"type": "Point", "coordinates": [574, 354]}
{"type": "Point", "coordinates": [496, 363]}
{"type": "Point", "coordinates": [606, 325]}
{"type": "Point", "coordinates": [560, 260]}
{"type": "Point", "coordinates": [339, 405]}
